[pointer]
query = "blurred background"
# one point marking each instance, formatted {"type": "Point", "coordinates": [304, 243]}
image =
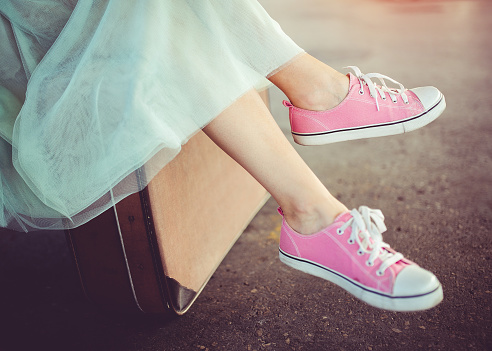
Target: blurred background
{"type": "Point", "coordinates": [433, 185]}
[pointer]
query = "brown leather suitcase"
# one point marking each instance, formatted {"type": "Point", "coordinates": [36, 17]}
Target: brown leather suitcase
{"type": "Point", "coordinates": [155, 251]}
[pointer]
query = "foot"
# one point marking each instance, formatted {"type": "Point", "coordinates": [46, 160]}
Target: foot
{"type": "Point", "coordinates": [367, 111]}
{"type": "Point", "coordinates": [350, 253]}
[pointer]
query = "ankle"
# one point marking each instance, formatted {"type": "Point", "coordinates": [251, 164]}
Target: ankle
{"type": "Point", "coordinates": [310, 84]}
{"type": "Point", "coordinates": [310, 219]}
{"type": "Point", "coordinates": [322, 94]}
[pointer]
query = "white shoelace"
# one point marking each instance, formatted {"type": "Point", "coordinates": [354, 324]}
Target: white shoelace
{"type": "Point", "coordinates": [376, 90]}
{"type": "Point", "coordinates": [367, 226]}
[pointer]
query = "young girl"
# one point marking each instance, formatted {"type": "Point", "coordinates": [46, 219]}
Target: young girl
{"type": "Point", "coordinates": [92, 90]}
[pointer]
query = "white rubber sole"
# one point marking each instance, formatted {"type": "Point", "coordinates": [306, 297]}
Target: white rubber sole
{"type": "Point", "coordinates": [368, 295]}
{"type": "Point", "coordinates": [372, 131]}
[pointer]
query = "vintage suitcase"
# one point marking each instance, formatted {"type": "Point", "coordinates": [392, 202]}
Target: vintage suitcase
{"type": "Point", "coordinates": [154, 251]}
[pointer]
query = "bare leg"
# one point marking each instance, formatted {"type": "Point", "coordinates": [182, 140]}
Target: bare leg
{"type": "Point", "coordinates": [247, 132]}
{"type": "Point", "coordinates": [310, 84]}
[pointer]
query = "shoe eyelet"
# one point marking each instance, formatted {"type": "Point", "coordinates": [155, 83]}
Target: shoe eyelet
{"type": "Point", "coordinates": [369, 264]}
{"type": "Point", "coordinates": [379, 273]}
{"type": "Point", "coordinates": [395, 101]}
{"type": "Point", "coordinates": [339, 231]}
{"type": "Point", "coordinates": [406, 102]}
{"type": "Point", "coordinates": [360, 252]}
{"type": "Point", "coordinates": [351, 241]}
{"type": "Point", "coordinates": [361, 92]}
{"type": "Point", "coordinates": [384, 98]}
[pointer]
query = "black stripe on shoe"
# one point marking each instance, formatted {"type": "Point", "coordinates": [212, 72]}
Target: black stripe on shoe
{"type": "Point", "coordinates": [350, 280]}
{"type": "Point", "coordinates": [372, 126]}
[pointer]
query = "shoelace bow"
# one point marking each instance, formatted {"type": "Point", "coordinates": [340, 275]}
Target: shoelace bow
{"type": "Point", "coordinates": [382, 89]}
{"type": "Point", "coordinates": [367, 226]}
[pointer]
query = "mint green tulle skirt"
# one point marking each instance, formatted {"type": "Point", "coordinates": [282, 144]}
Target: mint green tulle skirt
{"type": "Point", "coordinates": [92, 90]}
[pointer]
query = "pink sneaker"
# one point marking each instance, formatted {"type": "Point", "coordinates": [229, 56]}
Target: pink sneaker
{"type": "Point", "coordinates": [367, 111]}
{"type": "Point", "coordinates": [351, 254]}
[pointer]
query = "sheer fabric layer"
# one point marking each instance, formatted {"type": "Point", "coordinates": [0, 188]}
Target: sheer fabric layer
{"type": "Point", "coordinates": [90, 91]}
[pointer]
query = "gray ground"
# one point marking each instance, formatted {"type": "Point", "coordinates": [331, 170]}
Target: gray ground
{"type": "Point", "coordinates": [433, 185]}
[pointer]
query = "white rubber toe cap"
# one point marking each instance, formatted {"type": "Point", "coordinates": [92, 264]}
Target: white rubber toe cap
{"type": "Point", "coordinates": [414, 280]}
{"type": "Point", "coordinates": [428, 96]}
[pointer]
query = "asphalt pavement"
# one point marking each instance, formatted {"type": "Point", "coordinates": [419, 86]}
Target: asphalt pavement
{"type": "Point", "coordinates": [434, 186]}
